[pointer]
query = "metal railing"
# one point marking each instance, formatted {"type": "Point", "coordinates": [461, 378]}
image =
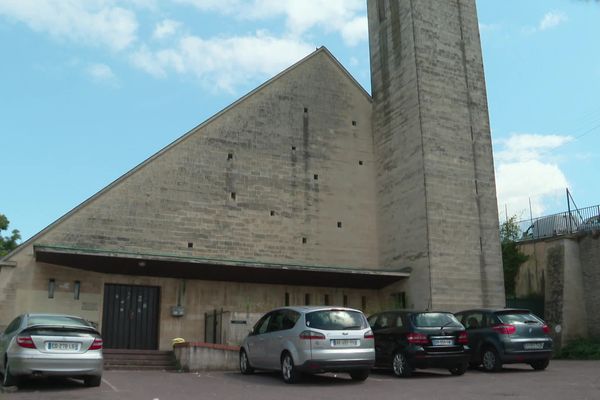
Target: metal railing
{"type": "Point", "coordinates": [565, 223]}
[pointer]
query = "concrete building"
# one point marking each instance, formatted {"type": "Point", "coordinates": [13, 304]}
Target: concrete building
{"type": "Point", "coordinates": [307, 190]}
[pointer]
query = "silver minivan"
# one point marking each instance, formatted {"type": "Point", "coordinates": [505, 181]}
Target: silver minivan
{"type": "Point", "coordinates": [311, 340]}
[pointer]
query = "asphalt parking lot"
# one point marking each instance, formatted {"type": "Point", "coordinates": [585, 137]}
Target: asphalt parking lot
{"type": "Point", "coordinates": [562, 380]}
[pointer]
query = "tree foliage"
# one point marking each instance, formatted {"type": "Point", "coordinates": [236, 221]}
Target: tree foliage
{"type": "Point", "coordinates": [7, 243]}
{"type": "Point", "coordinates": [512, 257]}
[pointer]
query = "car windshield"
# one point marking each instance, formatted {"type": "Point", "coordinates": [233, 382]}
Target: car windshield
{"type": "Point", "coordinates": [429, 320]}
{"type": "Point", "coordinates": [517, 317]}
{"type": "Point", "coordinates": [336, 320]}
{"type": "Point", "coordinates": [57, 320]}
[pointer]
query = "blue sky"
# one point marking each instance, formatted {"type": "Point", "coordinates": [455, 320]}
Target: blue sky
{"type": "Point", "coordinates": [89, 89]}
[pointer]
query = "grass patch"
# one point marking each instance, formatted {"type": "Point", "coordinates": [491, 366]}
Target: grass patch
{"type": "Point", "coordinates": [581, 349]}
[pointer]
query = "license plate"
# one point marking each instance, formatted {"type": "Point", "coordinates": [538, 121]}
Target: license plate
{"type": "Point", "coordinates": [63, 346]}
{"type": "Point", "coordinates": [533, 346]}
{"type": "Point", "coordinates": [344, 342]}
{"type": "Point", "coordinates": [442, 342]}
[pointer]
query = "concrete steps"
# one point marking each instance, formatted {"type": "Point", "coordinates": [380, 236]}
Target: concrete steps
{"type": "Point", "coordinates": [140, 360]}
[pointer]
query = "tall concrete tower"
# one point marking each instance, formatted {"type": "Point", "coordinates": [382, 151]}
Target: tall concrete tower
{"type": "Point", "coordinates": [435, 174]}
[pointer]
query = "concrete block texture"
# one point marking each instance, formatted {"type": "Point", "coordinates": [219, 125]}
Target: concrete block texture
{"type": "Point", "coordinates": [437, 210]}
{"type": "Point", "coordinates": [280, 165]}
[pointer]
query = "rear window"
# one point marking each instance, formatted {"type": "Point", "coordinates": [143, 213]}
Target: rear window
{"type": "Point", "coordinates": [517, 317]}
{"type": "Point", "coordinates": [430, 320]}
{"type": "Point", "coordinates": [59, 320]}
{"type": "Point", "coordinates": [336, 320]}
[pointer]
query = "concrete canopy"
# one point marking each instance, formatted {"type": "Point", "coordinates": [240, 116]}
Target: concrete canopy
{"type": "Point", "coordinates": [174, 266]}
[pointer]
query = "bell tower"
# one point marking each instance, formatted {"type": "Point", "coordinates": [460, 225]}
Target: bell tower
{"type": "Point", "coordinates": [437, 209]}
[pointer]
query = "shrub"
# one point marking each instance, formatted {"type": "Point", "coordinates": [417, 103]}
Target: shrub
{"type": "Point", "coordinates": [581, 349]}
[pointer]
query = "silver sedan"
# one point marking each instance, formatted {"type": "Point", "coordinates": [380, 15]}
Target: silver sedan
{"type": "Point", "coordinates": [50, 345]}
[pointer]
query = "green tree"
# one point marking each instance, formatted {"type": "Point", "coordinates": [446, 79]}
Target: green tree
{"type": "Point", "coordinates": [512, 257]}
{"type": "Point", "coordinates": [7, 243]}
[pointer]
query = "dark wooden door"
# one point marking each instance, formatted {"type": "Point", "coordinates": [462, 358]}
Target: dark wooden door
{"type": "Point", "coordinates": [130, 317]}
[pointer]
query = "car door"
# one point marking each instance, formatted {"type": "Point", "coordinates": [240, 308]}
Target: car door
{"type": "Point", "coordinates": [7, 336]}
{"type": "Point", "coordinates": [475, 325]}
{"type": "Point", "coordinates": [384, 329]}
{"type": "Point", "coordinates": [256, 342]}
{"type": "Point", "coordinates": [275, 338]}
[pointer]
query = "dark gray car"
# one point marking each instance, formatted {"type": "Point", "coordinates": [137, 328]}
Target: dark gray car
{"type": "Point", "coordinates": [506, 336]}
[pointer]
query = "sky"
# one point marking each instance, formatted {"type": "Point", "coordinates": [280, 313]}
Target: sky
{"type": "Point", "coordinates": [90, 89]}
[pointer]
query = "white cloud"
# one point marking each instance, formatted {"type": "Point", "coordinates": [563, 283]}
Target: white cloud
{"type": "Point", "coordinates": [91, 22]}
{"type": "Point", "coordinates": [347, 17]}
{"type": "Point", "coordinates": [102, 73]}
{"type": "Point", "coordinates": [223, 62]}
{"type": "Point", "coordinates": [166, 28]}
{"type": "Point", "coordinates": [552, 20]}
{"type": "Point", "coordinates": [526, 170]}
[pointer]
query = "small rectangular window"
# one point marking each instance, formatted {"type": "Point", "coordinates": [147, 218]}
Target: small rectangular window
{"type": "Point", "coordinates": [353, 123]}
{"type": "Point", "coordinates": [51, 285]}
{"type": "Point", "coordinates": [339, 224]}
{"type": "Point", "coordinates": [399, 300]}
{"type": "Point", "coordinates": [305, 109]}
{"type": "Point", "coordinates": [304, 240]}
{"type": "Point", "coordinates": [230, 156]}
{"type": "Point", "coordinates": [233, 195]}
{"type": "Point", "coordinates": [76, 290]}
{"type": "Point", "coordinates": [316, 176]}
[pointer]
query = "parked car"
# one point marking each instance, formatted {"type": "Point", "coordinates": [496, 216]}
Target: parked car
{"type": "Point", "coordinates": [552, 225]}
{"type": "Point", "coordinates": [507, 336]}
{"type": "Point", "coordinates": [313, 340]}
{"type": "Point", "coordinates": [50, 345]}
{"type": "Point", "coordinates": [405, 340]}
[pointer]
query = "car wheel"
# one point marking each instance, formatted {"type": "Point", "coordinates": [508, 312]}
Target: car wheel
{"type": "Point", "coordinates": [401, 366]}
{"type": "Point", "coordinates": [245, 367]}
{"type": "Point", "coordinates": [539, 365]}
{"type": "Point", "coordinates": [459, 369]}
{"type": "Point", "coordinates": [288, 369]}
{"type": "Point", "coordinates": [92, 381]}
{"type": "Point", "coordinates": [8, 378]}
{"type": "Point", "coordinates": [490, 360]}
{"type": "Point", "coordinates": [360, 375]}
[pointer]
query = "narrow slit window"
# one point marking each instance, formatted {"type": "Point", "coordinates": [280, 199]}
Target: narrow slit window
{"type": "Point", "coordinates": [190, 245]}
{"type": "Point", "coordinates": [339, 224]}
{"type": "Point", "coordinates": [76, 290]}
{"type": "Point", "coordinates": [345, 300]}
{"type": "Point", "coordinates": [353, 123]}
{"type": "Point", "coordinates": [326, 299]}
{"type": "Point", "coordinates": [360, 162]}
{"type": "Point", "coordinates": [305, 110]}
{"type": "Point", "coordinates": [287, 299]}
{"type": "Point", "coordinates": [233, 195]}
{"type": "Point", "coordinates": [293, 148]}
{"type": "Point", "coordinates": [230, 156]}
{"type": "Point", "coordinates": [304, 240]}
{"type": "Point", "coordinates": [272, 213]}
{"type": "Point", "coordinates": [51, 285]}
{"type": "Point", "coordinates": [316, 176]}
{"type": "Point", "coordinates": [307, 299]}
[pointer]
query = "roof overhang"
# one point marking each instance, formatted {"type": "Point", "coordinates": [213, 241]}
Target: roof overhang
{"type": "Point", "coordinates": [173, 266]}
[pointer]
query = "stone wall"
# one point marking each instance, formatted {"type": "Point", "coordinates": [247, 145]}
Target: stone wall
{"type": "Point", "coordinates": [589, 250]}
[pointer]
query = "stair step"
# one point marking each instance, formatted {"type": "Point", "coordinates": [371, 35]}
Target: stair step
{"type": "Point", "coordinates": [125, 359]}
{"type": "Point", "coordinates": [140, 367]}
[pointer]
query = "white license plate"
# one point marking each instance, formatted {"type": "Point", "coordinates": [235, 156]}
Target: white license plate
{"type": "Point", "coordinates": [345, 343]}
{"type": "Point", "coordinates": [442, 342]}
{"type": "Point", "coordinates": [533, 346]}
{"type": "Point", "coordinates": [63, 346]}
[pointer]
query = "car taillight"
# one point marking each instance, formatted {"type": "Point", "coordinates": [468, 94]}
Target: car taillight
{"type": "Point", "coordinates": [369, 334]}
{"type": "Point", "coordinates": [546, 329]}
{"type": "Point", "coordinates": [463, 338]}
{"type": "Point", "coordinates": [96, 345]}
{"type": "Point", "coordinates": [25, 341]}
{"type": "Point", "coordinates": [504, 329]}
{"type": "Point", "coordinates": [417, 338]}
{"type": "Point", "coordinates": [311, 335]}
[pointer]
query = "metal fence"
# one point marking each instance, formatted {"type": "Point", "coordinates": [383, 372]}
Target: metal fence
{"type": "Point", "coordinates": [565, 223]}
